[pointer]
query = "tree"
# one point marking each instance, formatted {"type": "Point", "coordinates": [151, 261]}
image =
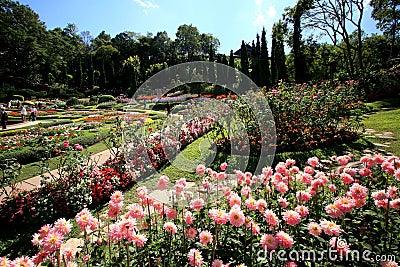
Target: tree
{"type": "Point", "coordinates": [161, 48]}
{"type": "Point", "coordinates": [334, 18]}
{"type": "Point", "coordinates": [106, 54]}
{"type": "Point", "coordinates": [22, 44]}
{"type": "Point", "coordinates": [231, 59]}
{"type": "Point", "coordinates": [102, 39]}
{"type": "Point", "coordinates": [295, 17]}
{"type": "Point", "coordinates": [265, 74]}
{"type": "Point", "coordinates": [132, 67]}
{"type": "Point", "coordinates": [278, 58]}
{"type": "Point", "coordinates": [155, 68]}
{"type": "Point", "coordinates": [208, 40]}
{"type": "Point", "coordinates": [244, 60]}
{"type": "Point", "coordinates": [188, 41]}
{"type": "Point", "coordinates": [387, 13]}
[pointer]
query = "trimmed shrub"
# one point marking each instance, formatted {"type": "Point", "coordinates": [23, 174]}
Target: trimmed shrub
{"type": "Point", "coordinates": [72, 101]}
{"type": "Point", "coordinates": [86, 140]}
{"type": "Point", "coordinates": [106, 105]}
{"type": "Point", "coordinates": [18, 97]}
{"type": "Point", "coordinates": [26, 156]}
{"type": "Point", "coordinates": [106, 98]}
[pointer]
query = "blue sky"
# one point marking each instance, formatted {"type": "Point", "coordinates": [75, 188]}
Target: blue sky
{"type": "Point", "coordinates": [231, 21]}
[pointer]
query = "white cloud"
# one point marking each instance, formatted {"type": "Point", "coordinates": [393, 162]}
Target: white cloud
{"type": "Point", "coordinates": [366, 3]}
{"type": "Point", "coordinates": [263, 14]}
{"type": "Point", "coordinates": [258, 2]}
{"type": "Point", "coordinates": [271, 11]}
{"type": "Point", "coordinates": [260, 19]}
{"type": "Point", "coordinates": [147, 4]}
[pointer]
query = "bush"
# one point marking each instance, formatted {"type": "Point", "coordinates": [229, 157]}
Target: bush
{"type": "Point", "coordinates": [72, 101]}
{"type": "Point", "coordinates": [86, 140]}
{"type": "Point", "coordinates": [381, 84]}
{"type": "Point", "coordinates": [18, 97]}
{"type": "Point", "coordinates": [29, 93]}
{"type": "Point", "coordinates": [106, 98]}
{"type": "Point", "coordinates": [26, 156]}
{"type": "Point", "coordinates": [78, 106]}
{"type": "Point", "coordinates": [106, 105]}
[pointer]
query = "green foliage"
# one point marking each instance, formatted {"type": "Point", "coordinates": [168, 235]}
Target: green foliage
{"type": "Point", "coordinates": [106, 98]}
{"type": "Point", "coordinates": [18, 97]}
{"type": "Point", "coordinates": [106, 105]}
{"type": "Point", "coordinates": [86, 140]}
{"type": "Point", "coordinates": [278, 59]}
{"type": "Point", "coordinates": [26, 156]}
{"type": "Point", "coordinates": [244, 59]}
{"type": "Point", "coordinates": [72, 101]}
{"type": "Point", "coordinates": [155, 68]}
{"type": "Point", "coordinates": [9, 172]}
{"type": "Point", "coordinates": [381, 84]}
{"type": "Point", "coordinates": [265, 73]}
{"type": "Point", "coordinates": [387, 13]}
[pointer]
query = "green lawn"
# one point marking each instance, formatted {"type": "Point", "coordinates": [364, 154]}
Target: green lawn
{"type": "Point", "coordinates": [385, 117]}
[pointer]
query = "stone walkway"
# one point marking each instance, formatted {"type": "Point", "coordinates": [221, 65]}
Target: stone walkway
{"type": "Point", "coordinates": [21, 125]}
{"type": "Point", "coordinates": [381, 147]}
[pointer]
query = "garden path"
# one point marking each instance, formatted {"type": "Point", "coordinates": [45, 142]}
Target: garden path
{"type": "Point", "coordinates": [21, 124]}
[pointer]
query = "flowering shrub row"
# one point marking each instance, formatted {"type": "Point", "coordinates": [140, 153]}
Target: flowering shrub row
{"type": "Point", "coordinates": [268, 219]}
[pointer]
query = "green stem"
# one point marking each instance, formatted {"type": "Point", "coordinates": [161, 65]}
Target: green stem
{"type": "Point", "coordinates": [169, 249]}
{"type": "Point", "coordinates": [127, 255]}
{"type": "Point", "coordinates": [251, 244]}
{"type": "Point", "coordinates": [148, 210]}
{"type": "Point", "coordinates": [215, 242]}
{"type": "Point", "coordinates": [183, 232]}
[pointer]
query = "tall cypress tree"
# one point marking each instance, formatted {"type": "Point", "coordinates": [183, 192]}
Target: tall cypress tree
{"type": "Point", "coordinates": [211, 70]}
{"type": "Point", "coordinates": [265, 75]}
{"type": "Point", "coordinates": [257, 61]}
{"type": "Point", "coordinates": [244, 60]}
{"type": "Point", "coordinates": [278, 58]}
{"type": "Point", "coordinates": [231, 60]}
{"type": "Point", "coordinates": [254, 62]}
{"type": "Point", "coordinates": [300, 66]}
{"type": "Point", "coordinates": [274, 76]}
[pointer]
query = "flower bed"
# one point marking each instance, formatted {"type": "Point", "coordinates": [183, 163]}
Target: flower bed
{"type": "Point", "coordinates": [341, 217]}
{"type": "Point", "coordinates": [82, 185]}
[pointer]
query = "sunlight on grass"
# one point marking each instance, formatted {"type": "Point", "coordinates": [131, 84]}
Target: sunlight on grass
{"type": "Point", "coordinates": [382, 122]}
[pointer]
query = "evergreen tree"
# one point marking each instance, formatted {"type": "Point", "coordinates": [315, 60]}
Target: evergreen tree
{"type": "Point", "coordinates": [254, 63]}
{"type": "Point", "coordinates": [265, 75]}
{"type": "Point", "coordinates": [231, 59]}
{"type": "Point", "coordinates": [274, 76]}
{"type": "Point", "coordinates": [211, 70]}
{"type": "Point", "coordinates": [300, 67]}
{"type": "Point", "coordinates": [278, 58]}
{"type": "Point", "coordinates": [244, 60]}
{"type": "Point", "coordinates": [211, 54]}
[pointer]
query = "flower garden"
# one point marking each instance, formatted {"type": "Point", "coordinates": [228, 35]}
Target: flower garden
{"type": "Point", "coordinates": [339, 210]}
